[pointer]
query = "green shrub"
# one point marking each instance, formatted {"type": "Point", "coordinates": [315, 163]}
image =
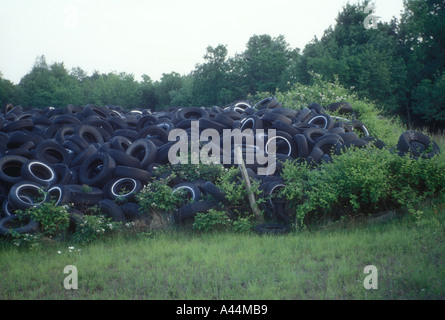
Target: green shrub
{"type": "Point", "coordinates": [234, 186]}
{"type": "Point", "coordinates": [92, 227]}
{"type": "Point", "coordinates": [213, 220]}
{"type": "Point", "coordinates": [158, 196]}
{"type": "Point", "coordinates": [361, 181]}
{"type": "Point", "coordinates": [51, 218]}
{"type": "Point", "coordinates": [191, 172]}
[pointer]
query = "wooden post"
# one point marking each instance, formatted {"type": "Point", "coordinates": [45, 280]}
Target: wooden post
{"type": "Point", "coordinates": [252, 201]}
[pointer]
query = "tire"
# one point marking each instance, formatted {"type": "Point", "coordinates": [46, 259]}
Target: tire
{"type": "Point", "coordinates": [131, 211]}
{"type": "Point", "coordinates": [358, 126]}
{"type": "Point", "coordinates": [281, 126]}
{"type": "Point", "coordinates": [38, 172]}
{"type": "Point", "coordinates": [29, 226]}
{"type": "Point", "coordinates": [85, 196]}
{"type": "Point", "coordinates": [144, 150]}
{"type": "Point", "coordinates": [302, 146]}
{"type": "Point", "coordinates": [417, 144]}
{"type": "Point", "coordinates": [312, 134]}
{"type": "Point", "coordinates": [51, 152]}
{"type": "Point", "coordinates": [130, 172]}
{"type": "Point", "coordinates": [122, 189]}
{"type": "Point", "coordinates": [89, 133]}
{"type": "Point", "coordinates": [192, 113]}
{"type": "Point", "coordinates": [329, 143]}
{"type": "Point", "coordinates": [90, 174]}
{"type": "Point", "coordinates": [83, 155]}
{"type": "Point", "coordinates": [192, 189]}
{"type": "Point", "coordinates": [11, 167]}
{"type": "Point", "coordinates": [271, 229]}
{"type": "Point", "coordinates": [340, 107]}
{"type": "Point", "coordinates": [124, 159]}
{"type": "Point", "coordinates": [205, 123]}
{"type": "Point", "coordinates": [120, 143]}
{"type": "Point", "coordinates": [26, 194]}
{"type": "Point", "coordinates": [59, 194]}
{"type": "Point", "coordinates": [215, 192]}
{"type": "Point", "coordinates": [190, 210]}
{"type": "Point", "coordinates": [112, 210]}
{"type": "Point", "coordinates": [270, 117]}
{"type": "Point", "coordinates": [323, 121]}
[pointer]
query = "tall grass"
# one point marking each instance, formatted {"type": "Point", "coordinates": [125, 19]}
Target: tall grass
{"type": "Point", "coordinates": [326, 261]}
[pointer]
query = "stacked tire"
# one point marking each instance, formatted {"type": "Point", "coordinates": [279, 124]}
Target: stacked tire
{"type": "Point", "coordinates": [103, 156]}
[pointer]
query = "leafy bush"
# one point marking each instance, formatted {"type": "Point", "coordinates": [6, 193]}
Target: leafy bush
{"type": "Point", "coordinates": [361, 181]}
{"type": "Point", "coordinates": [158, 196]}
{"type": "Point", "coordinates": [235, 189]}
{"type": "Point", "coordinates": [93, 226]}
{"type": "Point", "coordinates": [213, 220]}
{"type": "Point", "coordinates": [191, 172]}
{"type": "Point", "coordinates": [51, 218]}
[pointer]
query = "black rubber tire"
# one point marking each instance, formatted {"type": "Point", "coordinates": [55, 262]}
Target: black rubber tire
{"type": "Point", "coordinates": [26, 194]}
{"type": "Point", "coordinates": [51, 152]}
{"type": "Point", "coordinates": [11, 167]}
{"type": "Point", "coordinates": [130, 172]}
{"type": "Point", "coordinates": [322, 120]}
{"type": "Point", "coordinates": [191, 188]}
{"type": "Point", "coordinates": [38, 172]}
{"type": "Point", "coordinates": [132, 211]}
{"type": "Point", "coordinates": [120, 143]}
{"type": "Point", "coordinates": [218, 194]}
{"type": "Point", "coordinates": [417, 144]}
{"type": "Point", "coordinates": [190, 210]}
{"type": "Point", "coordinates": [122, 189]}
{"type": "Point", "coordinates": [329, 143]}
{"type": "Point", "coordinates": [312, 134]}
{"type": "Point", "coordinates": [90, 134]}
{"type": "Point", "coordinates": [192, 113]}
{"type": "Point", "coordinates": [143, 150]}
{"type": "Point", "coordinates": [358, 126]}
{"type": "Point", "coordinates": [340, 107]}
{"type": "Point", "coordinates": [302, 146]}
{"type": "Point", "coordinates": [30, 226]}
{"type": "Point", "coordinates": [83, 155]}
{"type": "Point", "coordinates": [124, 159]}
{"type": "Point", "coordinates": [87, 174]}
{"type": "Point", "coordinates": [59, 194]}
{"type": "Point", "coordinates": [205, 123]}
{"type": "Point", "coordinates": [112, 210]}
{"type": "Point", "coordinates": [85, 196]}
{"type": "Point", "coordinates": [270, 117]}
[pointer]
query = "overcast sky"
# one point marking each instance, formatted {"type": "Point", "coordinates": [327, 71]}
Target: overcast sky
{"type": "Point", "coordinates": [154, 37]}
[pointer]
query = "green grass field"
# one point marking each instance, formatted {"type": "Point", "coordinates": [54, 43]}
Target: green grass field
{"type": "Point", "coordinates": [325, 262]}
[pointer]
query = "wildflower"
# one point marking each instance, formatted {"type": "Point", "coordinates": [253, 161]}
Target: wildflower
{"type": "Point", "coordinates": [59, 252]}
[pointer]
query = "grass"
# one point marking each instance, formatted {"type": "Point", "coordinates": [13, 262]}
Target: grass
{"type": "Point", "coordinates": [324, 262]}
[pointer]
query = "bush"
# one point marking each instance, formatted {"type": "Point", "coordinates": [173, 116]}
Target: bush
{"type": "Point", "coordinates": [51, 218]}
{"type": "Point", "coordinates": [92, 227]}
{"type": "Point", "coordinates": [158, 196]}
{"type": "Point", "coordinates": [213, 220]}
{"type": "Point", "coordinates": [361, 182]}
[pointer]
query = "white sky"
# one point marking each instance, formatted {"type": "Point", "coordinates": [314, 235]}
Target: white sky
{"type": "Point", "coordinates": [154, 37]}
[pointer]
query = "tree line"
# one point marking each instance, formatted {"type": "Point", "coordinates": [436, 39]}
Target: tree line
{"type": "Point", "coordinates": [400, 65]}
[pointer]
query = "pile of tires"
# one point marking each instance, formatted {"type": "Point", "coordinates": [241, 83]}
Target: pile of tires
{"type": "Point", "coordinates": [111, 152]}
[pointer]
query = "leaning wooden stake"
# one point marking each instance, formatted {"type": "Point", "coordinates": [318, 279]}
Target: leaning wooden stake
{"type": "Point", "coordinates": [253, 204]}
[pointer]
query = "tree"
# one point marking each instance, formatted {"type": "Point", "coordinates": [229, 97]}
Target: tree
{"type": "Point", "coordinates": [368, 60]}
{"type": "Point", "coordinates": [422, 35]}
{"type": "Point", "coordinates": [211, 85]}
